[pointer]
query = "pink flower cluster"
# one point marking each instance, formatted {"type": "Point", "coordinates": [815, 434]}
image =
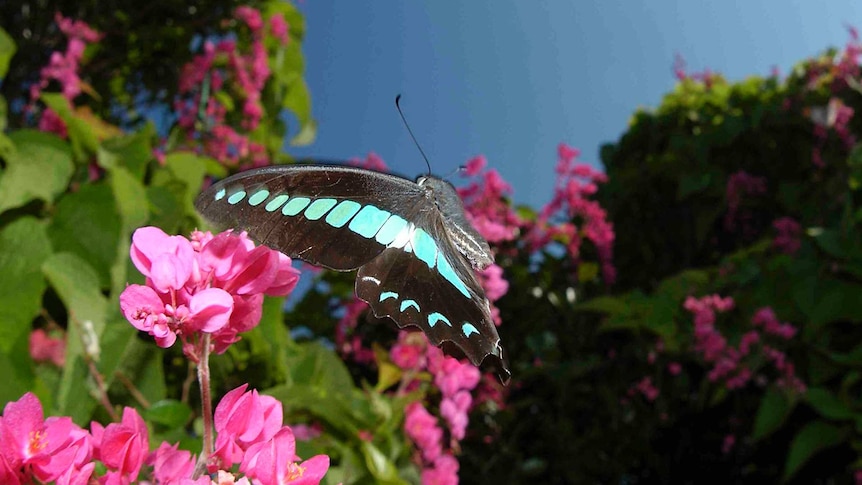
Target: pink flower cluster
{"type": "Point", "coordinates": [243, 76]}
{"type": "Point", "coordinates": [486, 205]}
{"type": "Point", "coordinates": [347, 342]}
{"type": "Point", "coordinates": [63, 68]}
{"type": "Point", "coordinates": [57, 450]}
{"type": "Point", "coordinates": [740, 184]}
{"type": "Point", "coordinates": [733, 364]}
{"type": "Point", "coordinates": [211, 284]}
{"type": "Point", "coordinates": [788, 234]}
{"type": "Point", "coordinates": [455, 380]}
{"type": "Point", "coordinates": [576, 184]}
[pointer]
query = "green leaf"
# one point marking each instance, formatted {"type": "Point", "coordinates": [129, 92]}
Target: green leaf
{"type": "Point", "coordinates": [383, 470]}
{"type": "Point", "coordinates": [814, 437]}
{"type": "Point", "coordinates": [131, 197]}
{"type": "Point", "coordinates": [773, 411]}
{"type": "Point", "coordinates": [298, 100]}
{"type": "Point", "coordinates": [306, 135]}
{"type": "Point", "coordinates": [81, 134]}
{"type": "Point", "coordinates": [7, 50]}
{"type": "Point", "coordinates": [39, 167]}
{"type": "Point", "coordinates": [78, 287]}
{"type": "Point", "coordinates": [827, 404]}
{"type": "Point", "coordinates": [169, 413]}
{"type": "Point", "coordinates": [603, 304]}
{"type": "Point", "coordinates": [88, 224]}
{"type": "Point", "coordinates": [189, 169]}
{"type": "Point", "coordinates": [132, 152]}
{"type": "Point", "coordinates": [24, 246]}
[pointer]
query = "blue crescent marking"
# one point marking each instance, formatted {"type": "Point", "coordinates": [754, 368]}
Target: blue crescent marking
{"type": "Point", "coordinates": [409, 303]}
{"type": "Point", "coordinates": [435, 317]}
{"type": "Point", "coordinates": [468, 329]}
{"type": "Point", "coordinates": [388, 294]}
{"type": "Point", "coordinates": [220, 194]}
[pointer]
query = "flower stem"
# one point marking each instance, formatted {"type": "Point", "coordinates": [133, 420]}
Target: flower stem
{"type": "Point", "coordinates": [206, 403]}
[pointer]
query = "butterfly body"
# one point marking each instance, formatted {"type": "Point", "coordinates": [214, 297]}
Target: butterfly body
{"type": "Point", "coordinates": [411, 243]}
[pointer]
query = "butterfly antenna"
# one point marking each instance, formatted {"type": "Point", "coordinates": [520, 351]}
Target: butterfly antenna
{"type": "Point", "coordinates": [398, 106]}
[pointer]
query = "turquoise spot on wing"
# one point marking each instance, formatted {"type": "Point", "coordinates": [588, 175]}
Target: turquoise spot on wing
{"type": "Point", "coordinates": [449, 274]}
{"type": "Point", "coordinates": [220, 194]}
{"type": "Point", "coordinates": [342, 213]}
{"type": "Point", "coordinates": [435, 317]}
{"type": "Point", "coordinates": [424, 247]}
{"type": "Point", "coordinates": [388, 294]}
{"type": "Point", "coordinates": [258, 197]}
{"type": "Point", "coordinates": [390, 230]}
{"type": "Point", "coordinates": [295, 206]}
{"type": "Point", "coordinates": [319, 207]}
{"type": "Point", "coordinates": [368, 221]}
{"type": "Point", "coordinates": [468, 329]}
{"type": "Point", "coordinates": [276, 202]}
{"type": "Point", "coordinates": [409, 303]}
{"type": "Point", "coordinates": [236, 197]}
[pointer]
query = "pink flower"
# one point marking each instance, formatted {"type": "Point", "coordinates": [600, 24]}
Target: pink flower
{"type": "Point", "coordinates": [171, 464]}
{"type": "Point", "coordinates": [272, 462]}
{"type": "Point", "coordinates": [48, 448]}
{"type": "Point", "coordinates": [454, 411]}
{"type": "Point", "coordinates": [788, 233]}
{"type": "Point", "coordinates": [51, 122]}
{"type": "Point", "coordinates": [444, 472]}
{"type": "Point", "coordinates": [250, 16]}
{"type": "Point", "coordinates": [727, 444]}
{"type": "Point", "coordinates": [44, 348]}
{"type": "Point", "coordinates": [422, 428]}
{"type": "Point", "coordinates": [646, 387]}
{"type": "Point", "coordinates": [493, 282]}
{"type": "Point", "coordinates": [123, 446]}
{"type": "Point", "coordinates": [243, 419]}
{"type": "Point", "coordinates": [279, 28]}
{"type": "Point", "coordinates": [674, 368]}
{"type": "Point", "coordinates": [166, 260]}
{"type": "Point", "coordinates": [475, 165]}
{"type": "Point", "coordinates": [455, 375]}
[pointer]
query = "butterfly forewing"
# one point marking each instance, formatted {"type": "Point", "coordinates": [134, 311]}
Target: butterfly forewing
{"type": "Point", "coordinates": [315, 213]}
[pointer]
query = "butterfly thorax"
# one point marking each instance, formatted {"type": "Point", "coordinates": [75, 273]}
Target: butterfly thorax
{"type": "Point", "coordinates": [468, 241]}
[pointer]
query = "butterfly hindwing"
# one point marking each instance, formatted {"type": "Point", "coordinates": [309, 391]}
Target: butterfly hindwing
{"type": "Point", "coordinates": [443, 297]}
{"type": "Point", "coordinates": [327, 216]}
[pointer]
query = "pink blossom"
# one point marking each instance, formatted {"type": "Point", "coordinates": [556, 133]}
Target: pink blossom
{"type": "Point", "coordinates": [455, 375]}
{"type": "Point", "coordinates": [170, 464]}
{"type": "Point", "coordinates": [44, 348]}
{"type": "Point", "coordinates": [279, 28]}
{"type": "Point", "coordinates": [475, 166]}
{"type": "Point", "coordinates": [123, 446]}
{"type": "Point", "coordinates": [674, 368]}
{"type": "Point", "coordinates": [788, 233]}
{"type": "Point", "coordinates": [646, 387]}
{"type": "Point", "coordinates": [50, 449]}
{"type": "Point", "coordinates": [493, 282]}
{"type": "Point", "coordinates": [406, 354]}
{"type": "Point", "coordinates": [272, 462]}
{"type": "Point", "coordinates": [444, 472]}
{"type": "Point", "coordinates": [422, 428]}
{"type": "Point", "coordinates": [243, 419]}
{"type": "Point", "coordinates": [454, 411]}
{"type": "Point", "coordinates": [250, 16]}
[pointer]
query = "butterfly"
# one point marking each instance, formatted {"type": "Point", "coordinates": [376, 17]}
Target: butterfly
{"type": "Point", "coordinates": [410, 242]}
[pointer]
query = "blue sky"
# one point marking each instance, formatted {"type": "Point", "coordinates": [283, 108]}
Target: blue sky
{"type": "Point", "coordinates": [511, 79]}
